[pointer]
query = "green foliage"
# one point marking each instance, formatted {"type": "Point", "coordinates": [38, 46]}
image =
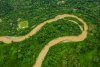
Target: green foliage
{"type": "Point", "coordinates": [22, 24]}
{"type": "Point", "coordinates": [5, 8]}
{"type": "Point", "coordinates": [24, 54]}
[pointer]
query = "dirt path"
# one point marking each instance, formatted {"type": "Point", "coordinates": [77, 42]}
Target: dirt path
{"type": "Point", "coordinates": [40, 58]}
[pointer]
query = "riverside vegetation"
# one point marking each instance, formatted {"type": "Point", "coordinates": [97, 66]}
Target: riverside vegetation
{"type": "Point", "coordinates": [67, 54]}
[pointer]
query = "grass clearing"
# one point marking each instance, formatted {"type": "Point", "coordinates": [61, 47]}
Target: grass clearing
{"type": "Point", "coordinates": [22, 25]}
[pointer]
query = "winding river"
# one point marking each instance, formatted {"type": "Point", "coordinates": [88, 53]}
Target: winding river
{"type": "Point", "coordinates": [44, 51]}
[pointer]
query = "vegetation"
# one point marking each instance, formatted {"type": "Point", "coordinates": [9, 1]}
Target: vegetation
{"type": "Point", "coordinates": [24, 54]}
{"type": "Point", "coordinates": [22, 24]}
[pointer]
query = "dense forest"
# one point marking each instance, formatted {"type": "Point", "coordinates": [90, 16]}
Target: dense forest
{"type": "Point", "coordinates": [68, 54]}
